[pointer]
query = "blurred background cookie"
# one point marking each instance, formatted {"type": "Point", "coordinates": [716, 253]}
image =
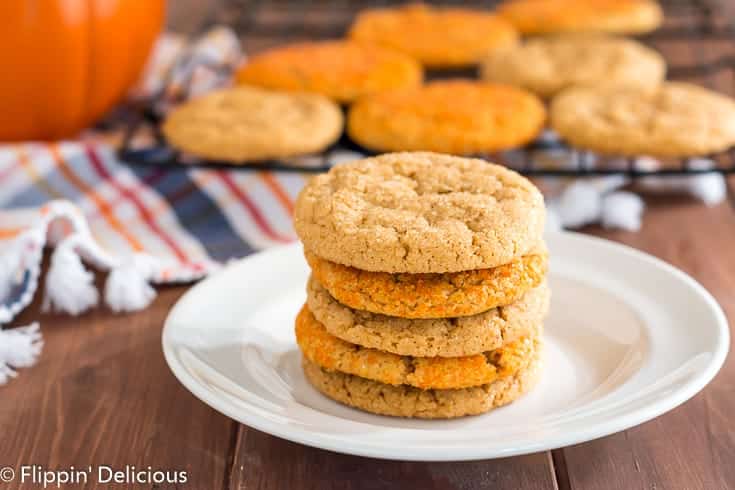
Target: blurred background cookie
{"type": "Point", "coordinates": [249, 124]}
{"type": "Point", "coordinates": [458, 116]}
{"type": "Point", "coordinates": [340, 70]}
{"type": "Point", "coordinates": [437, 37]}
{"type": "Point", "coordinates": [551, 16]}
{"type": "Point", "coordinates": [549, 64]}
{"type": "Point", "coordinates": [677, 119]}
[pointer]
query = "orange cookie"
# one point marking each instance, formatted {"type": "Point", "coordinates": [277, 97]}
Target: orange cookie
{"type": "Point", "coordinates": [437, 37]}
{"type": "Point", "coordinates": [407, 401]}
{"type": "Point", "coordinates": [332, 353]}
{"type": "Point", "coordinates": [430, 295]}
{"type": "Point", "coordinates": [457, 116]}
{"type": "Point", "coordinates": [341, 70]}
{"type": "Point", "coordinates": [553, 16]}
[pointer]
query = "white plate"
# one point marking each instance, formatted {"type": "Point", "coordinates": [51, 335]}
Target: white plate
{"type": "Point", "coordinates": [628, 338]}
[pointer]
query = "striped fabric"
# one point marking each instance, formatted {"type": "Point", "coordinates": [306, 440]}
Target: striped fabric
{"type": "Point", "coordinates": [143, 224]}
{"type": "Point", "coordinates": [186, 220]}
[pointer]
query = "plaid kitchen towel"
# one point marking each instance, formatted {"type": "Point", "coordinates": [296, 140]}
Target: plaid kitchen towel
{"type": "Point", "coordinates": [141, 224]}
{"type": "Point", "coordinates": [144, 225]}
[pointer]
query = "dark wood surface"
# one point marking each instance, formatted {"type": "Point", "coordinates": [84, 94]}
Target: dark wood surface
{"type": "Point", "coordinates": [102, 394]}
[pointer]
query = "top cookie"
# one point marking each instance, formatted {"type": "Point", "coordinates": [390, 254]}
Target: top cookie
{"type": "Point", "coordinates": [437, 37]}
{"type": "Point", "coordinates": [462, 117]}
{"type": "Point", "coordinates": [420, 212]}
{"type": "Point", "coordinates": [246, 123]}
{"type": "Point", "coordinates": [553, 16]}
{"type": "Point", "coordinates": [676, 120]}
{"type": "Point", "coordinates": [548, 65]}
{"type": "Point", "coordinates": [341, 70]}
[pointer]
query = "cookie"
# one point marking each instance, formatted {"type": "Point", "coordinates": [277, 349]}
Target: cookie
{"type": "Point", "coordinates": [547, 65]}
{"type": "Point", "coordinates": [332, 353]}
{"type": "Point", "coordinates": [462, 117]}
{"type": "Point", "coordinates": [407, 401]}
{"type": "Point", "coordinates": [445, 337]}
{"type": "Point", "coordinates": [420, 213]}
{"type": "Point", "coordinates": [437, 37]}
{"type": "Point", "coordinates": [340, 70]}
{"type": "Point", "coordinates": [430, 295]}
{"type": "Point", "coordinates": [249, 124]}
{"type": "Point", "coordinates": [676, 120]}
{"type": "Point", "coordinates": [555, 16]}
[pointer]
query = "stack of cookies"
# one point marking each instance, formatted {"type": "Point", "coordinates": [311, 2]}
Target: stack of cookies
{"type": "Point", "coordinates": [427, 294]}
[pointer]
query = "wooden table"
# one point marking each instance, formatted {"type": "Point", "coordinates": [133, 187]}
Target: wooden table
{"type": "Point", "coordinates": [102, 394]}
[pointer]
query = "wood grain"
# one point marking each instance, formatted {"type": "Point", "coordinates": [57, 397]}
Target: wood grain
{"type": "Point", "coordinates": [268, 463]}
{"type": "Point", "coordinates": [102, 394]}
{"type": "Point", "coordinates": [693, 446]}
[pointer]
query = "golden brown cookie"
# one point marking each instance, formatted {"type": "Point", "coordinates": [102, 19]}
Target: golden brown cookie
{"type": "Point", "coordinates": [420, 212]}
{"type": "Point", "coordinates": [677, 119]}
{"type": "Point", "coordinates": [332, 353]}
{"type": "Point", "coordinates": [548, 65]}
{"type": "Point", "coordinates": [249, 124]}
{"type": "Point", "coordinates": [437, 37]}
{"type": "Point", "coordinates": [554, 16]}
{"type": "Point", "coordinates": [445, 337]}
{"type": "Point", "coordinates": [340, 70]}
{"type": "Point", "coordinates": [461, 117]}
{"type": "Point", "coordinates": [430, 295]}
{"type": "Point", "coordinates": [407, 401]}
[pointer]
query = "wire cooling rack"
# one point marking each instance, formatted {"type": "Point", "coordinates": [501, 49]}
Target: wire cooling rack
{"type": "Point", "coordinates": [697, 40]}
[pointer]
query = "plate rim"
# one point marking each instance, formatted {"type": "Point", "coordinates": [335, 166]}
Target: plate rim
{"type": "Point", "coordinates": [345, 445]}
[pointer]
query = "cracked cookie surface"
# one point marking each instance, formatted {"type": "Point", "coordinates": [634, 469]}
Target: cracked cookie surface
{"type": "Point", "coordinates": [248, 124]}
{"type": "Point", "coordinates": [445, 337]}
{"type": "Point", "coordinates": [340, 70]}
{"type": "Point", "coordinates": [548, 65]}
{"type": "Point", "coordinates": [676, 120]}
{"type": "Point", "coordinates": [330, 352]}
{"type": "Point", "coordinates": [466, 35]}
{"type": "Point", "coordinates": [461, 117]}
{"type": "Point", "coordinates": [407, 401]}
{"type": "Point", "coordinates": [553, 16]}
{"type": "Point", "coordinates": [420, 213]}
{"type": "Point", "coordinates": [430, 295]}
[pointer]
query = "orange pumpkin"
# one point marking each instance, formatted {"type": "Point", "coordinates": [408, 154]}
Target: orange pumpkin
{"type": "Point", "coordinates": [64, 63]}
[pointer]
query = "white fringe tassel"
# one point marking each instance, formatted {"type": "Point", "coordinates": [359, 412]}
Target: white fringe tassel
{"type": "Point", "coordinates": [127, 288]}
{"type": "Point", "coordinates": [19, 348]}
{"type": "Point", "coordinates": [10, 261]}
{"type": "Point", "coordinates": [710, 188]}
{"type": "Point", "coordinates": [584, 202]}
{"type": "Point", "coordinates": [69, 286]}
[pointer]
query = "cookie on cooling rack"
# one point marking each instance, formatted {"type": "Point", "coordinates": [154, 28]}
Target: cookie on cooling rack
{"type": "Point", "coordinates": [437, 37]}
{"type": "Point", "coordinates": [340, 70]}
{"type": "Point", "coordinates": [246, 124]}
{"type": "Point", "coordinates": [461, 117]}
{"type": "Point", "coordinates": [546, 65]}
{"type": "Point", "coordinates": [675, 120]}
{"type": "Point", "coordinates": [555, 16]}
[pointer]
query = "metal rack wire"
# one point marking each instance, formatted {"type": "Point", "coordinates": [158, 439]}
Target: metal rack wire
{"type": "Point", "coordinates": [269, 23]}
